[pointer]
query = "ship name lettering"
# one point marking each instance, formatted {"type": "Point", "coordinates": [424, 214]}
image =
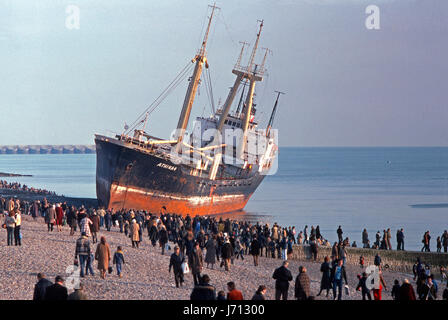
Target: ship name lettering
{"type": "Point", "coordinates": [167, 166]}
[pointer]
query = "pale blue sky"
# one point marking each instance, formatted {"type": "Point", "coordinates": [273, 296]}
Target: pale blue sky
{"type": "Point", "coordinates": [345, 85]}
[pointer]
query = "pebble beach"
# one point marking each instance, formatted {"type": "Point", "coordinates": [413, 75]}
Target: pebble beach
{"type": "Point", "coordinates": [145, 274]}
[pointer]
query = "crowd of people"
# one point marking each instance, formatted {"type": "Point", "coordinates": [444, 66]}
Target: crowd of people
{"type": "Point", "coordinates": [22, 187]}
{"type": "Point", "coordinates": [210, 241]}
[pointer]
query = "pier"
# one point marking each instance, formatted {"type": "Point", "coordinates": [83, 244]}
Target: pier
{"type": "Point", "coordinates": [48, 149]}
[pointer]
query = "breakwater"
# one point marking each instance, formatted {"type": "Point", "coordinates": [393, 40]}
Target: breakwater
{"type": "Point", "coordinates": [47, 149]}
{"type": "Point", "coordinates": [401, 261]}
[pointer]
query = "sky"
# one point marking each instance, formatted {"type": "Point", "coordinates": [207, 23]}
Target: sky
{"type": "Point", "coordinates": [345, 85]}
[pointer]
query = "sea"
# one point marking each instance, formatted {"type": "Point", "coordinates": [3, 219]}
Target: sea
{"type": "Point", "coordinates": [358, 187]}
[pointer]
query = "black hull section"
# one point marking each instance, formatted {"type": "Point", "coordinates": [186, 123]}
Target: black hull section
{"type": "Point", "coordinates": [130, 178]}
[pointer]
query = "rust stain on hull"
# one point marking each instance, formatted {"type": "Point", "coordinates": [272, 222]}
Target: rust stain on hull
{"type": "Point", "coordinates": [121, 197]}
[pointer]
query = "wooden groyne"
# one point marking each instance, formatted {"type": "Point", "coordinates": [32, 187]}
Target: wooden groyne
{"type": "Point", "coordinates": [48, 149]}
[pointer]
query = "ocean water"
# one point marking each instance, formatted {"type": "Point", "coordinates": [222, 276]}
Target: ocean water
{"type": "Point", "coordinates": [372, 188]}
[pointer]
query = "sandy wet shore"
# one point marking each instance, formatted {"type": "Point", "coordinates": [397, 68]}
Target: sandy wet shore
{"type": "Point", "coordinates": [145, 274]}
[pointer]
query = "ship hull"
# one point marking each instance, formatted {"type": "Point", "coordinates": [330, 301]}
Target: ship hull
{"type": "Point", "coordinates": [130, 178]}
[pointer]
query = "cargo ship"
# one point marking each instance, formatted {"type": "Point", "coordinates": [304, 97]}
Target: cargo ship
{"type": "Point", "coordinates": [214, 169]}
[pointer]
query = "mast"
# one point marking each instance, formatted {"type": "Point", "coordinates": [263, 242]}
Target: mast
{"type": "Point", "coordinates": [253, 77]}
{"type": "Point", "coordinates": [199, 59]}
{"type": "Point", "coordinates": [271, 119]}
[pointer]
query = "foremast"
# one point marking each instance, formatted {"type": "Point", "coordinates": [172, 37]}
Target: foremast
{"type": "Point", "coordinates": [200, 59]}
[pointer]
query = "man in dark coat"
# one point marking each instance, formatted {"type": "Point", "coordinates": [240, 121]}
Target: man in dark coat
{"type": "Point", "coordinates": [204, 290]}
{"type": "Point", "coordinates": [40, 287]}
{"type": "Point", "coordinates": [302, 285]}
{"type": "Point", "coordinates": [176, 261]}
{"type": "Point", "coordinates": [400, 239]}
{"type": "Point", "coordinates": [255, 250]}
{"type": "Point", "coordinates": [282, 276]}
{"type": "Point", "coordinates": [226, 254]}
{"type": "Point", "coordinates": [195, 261]}
{"type": "Point", "coordinates": [57, 291]}
{"type": "Point", "coordinates": [339, 232]}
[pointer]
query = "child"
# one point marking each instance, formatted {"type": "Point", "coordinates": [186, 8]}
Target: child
{"type": "Point", "coordinates": [221, 296]}
{"type": "Point", "coordinates": [118, 260]}
{"type": "Point", "coordinates": [362, 285]}
{"type": "Point", "coordinates": [361, 262]}
{"type": "Point", "coordinates": [395, 290]}
{"type": "Point", "coordinates": [89, 267]}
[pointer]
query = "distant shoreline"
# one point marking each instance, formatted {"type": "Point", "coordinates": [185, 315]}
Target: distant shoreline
{"type": "Point", "coordinates": [5, 174]}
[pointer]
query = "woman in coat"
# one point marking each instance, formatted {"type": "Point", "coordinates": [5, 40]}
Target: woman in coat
{"type": "Point", "coordinates": [102, 254]}
{"type": "Point", "coordinates": [325, 283]}
{"type": "Point", "coordinates": [134, 233]}
{"type": "Point", "coordinates": [210, 246]}
{"type": "Point", "coordinates": [59, 217]}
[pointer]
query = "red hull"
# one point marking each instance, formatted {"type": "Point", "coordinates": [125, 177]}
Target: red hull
{"type": "Point", "coordinates": [138, 199]}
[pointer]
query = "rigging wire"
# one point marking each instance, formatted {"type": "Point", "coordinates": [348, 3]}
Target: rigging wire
{"type": "Point", "coordinates": [174, 83]}
{"type": "Point", "coordinates": [212, 99]}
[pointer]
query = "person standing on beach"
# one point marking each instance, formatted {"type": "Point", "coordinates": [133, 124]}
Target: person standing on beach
{"type": "Point", "coordinates": [362, 285]}
{"type": "Point", "coordinates": [444, 239]}
{"type": "Point", "coordinates": [282, 277]}
{"type": "Point", "coordinates": [72, 219]}
{"type": "Point", "coordinates": [382, 284]}
{"type": "Point", "coordinates": [82, 252]}
{"type": "Point", "coordinates": [134, 235]}
{"type": "Point", "coordinates": [17, 225]}
{"type": "Point", "coordinates": [337, 276]}
{"type": "Point", "coordinates": [85, 223]}
{"type": "Point", "coordinates": [233, 293]}
{"type": "Point", "coordinates": [400, 239]}
{"type": "Point", "coordinates": [210, 255]}
{"type": "Point", "coordinates": [9, 223]}
{"type": "Point", "coordinates": [78, 293]}
{"type": "Point", "coordinates": [325, 282]}
{"type": "Point", "coordinates": [255, 249]}
{"type": "Point", "coordinates": [339, 232]}
{"type": "Point", "coordinates": [40, 287]}
{"type": "Point", "coordinates": [102, 254]}
{"type": "Point", "coordinates": [203, 290]}
{"type": "Point", "coordinates": [35, 210]}
{"type": "Point", "coordinates": [388, 237]}
{"type": "Point", "coordinates": [302, 285]}
{"type": "Point", "coordinates": [195, 262]}
{"type": "Point", "coordinates": [305, 235]}
{"type": "Point", "coordinates": [260, 294]}
{"type": "Point", "coordinates": [59, 217]}
{"type": "Point", "coordinates": [176, 261]}
{"type": "Point", "coordinates": [365, 238]}
{"type": "Point", "coordinates": [95, 226]}
{"type": "Point", "coordinates": [50, 217]}
{"type": "Point", "coordinates": [163, 238]}
{"type": "Point", "coordinates": [426, 241]}
{"type": "Point", "coordinates": [108, 220]}
{"type": "Point", "coordinates": [226, 254]}
{"type": "Point", "coordinates": [57, 291]}
{"type": "Point", "coordinates": [118, 260]}
{"type": "Point", "coordinates": [406, 292]}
